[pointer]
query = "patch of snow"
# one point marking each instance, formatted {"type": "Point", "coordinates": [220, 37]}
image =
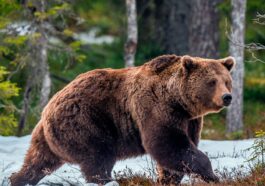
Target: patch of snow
{"type": "Point", "coordinates": [21, 28]}
{"type": "Point", "coordinates": [90, 37]}
{"type": "Point", "coordinates": [228, 155]}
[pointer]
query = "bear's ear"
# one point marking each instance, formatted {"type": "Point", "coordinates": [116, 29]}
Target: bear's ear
{"type": "Point", "coordinates": [160, 63]}
{"type": "Point", "coordinates": [229, 63]}
{"type": "Point", "coordinates": [188, 63]}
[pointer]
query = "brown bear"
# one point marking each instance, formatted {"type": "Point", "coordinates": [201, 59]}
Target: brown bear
{"type": "Point", "coordinates": [107, 115]}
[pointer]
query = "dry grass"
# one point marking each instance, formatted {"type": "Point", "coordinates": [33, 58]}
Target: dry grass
{"type": "Point", "coordinates": [255, 178]}
{"type": "Point", "coordinates": [136, 181]}
{"type": "Point", "coordinates": [127, 177]}
{"type": "Point", "coordinates": [235, 177]}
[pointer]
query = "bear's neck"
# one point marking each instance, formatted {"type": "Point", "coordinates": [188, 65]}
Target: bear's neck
{"type": "Point", "coordinates": [176, 97]}
{"type": "Point", "coordinates": [194, 110]}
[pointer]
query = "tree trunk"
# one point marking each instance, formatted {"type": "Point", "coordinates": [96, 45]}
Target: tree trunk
{"type": "Point", "coordinates": [43, 64]}
{"type": "Point", "coordinates": [26, 105]}
{"type": "Point", "coordinates": [204, 29]}
{"type": "Point", "coordinates": [39, 74]}
{"type": "Point", "coordinates": [46, 79]}
{"type": "Point", "coordinates": [181, 27]}
{"type": "Point", "coordinates": [234, 117]}
{"type": "Point", "coordinates": [172, 23]}
{"type": "Point", "coordinates": [131, 43]}
{"type": "Point", "coordinates": [44, 72]}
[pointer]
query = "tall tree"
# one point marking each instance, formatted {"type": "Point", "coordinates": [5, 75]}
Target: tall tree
{"type": "Point", "coordinates": [42, 50]}
{"type": "Point", "coordinates": [132, 33]}
{"type": "Point", "coordinates": [234, 117]}
{"type": "Point", "coordinates": [8, 90]}
{"type": "Point", "coordinates": [181, 27]}
{"type": "Point", "coordinates": [44, 20]}
{"type": "Point", "coordinates": [38, 67]}
{"type": "Point", "coordinates": [203, 28]}
{"type": "Point", "coordinates": [172, 23]}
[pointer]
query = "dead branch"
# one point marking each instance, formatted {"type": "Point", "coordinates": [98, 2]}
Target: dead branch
{"type": "Point", "coordinates": [260, 19]}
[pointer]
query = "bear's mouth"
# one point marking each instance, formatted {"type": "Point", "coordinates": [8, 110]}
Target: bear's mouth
{"type": "Point", "coordinates": [213, 108]}
{"type": "Point", "coordinates": [219, 107]}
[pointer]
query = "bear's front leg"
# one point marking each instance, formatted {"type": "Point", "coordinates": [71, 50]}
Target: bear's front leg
{"type": "Point", "coordinates": [173, 150]}
{"type": "Point", "coordinates": [169, 177]}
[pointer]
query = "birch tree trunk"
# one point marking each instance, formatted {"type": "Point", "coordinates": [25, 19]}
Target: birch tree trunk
{"type": "Point", "coordinates": [131, 43]}
{"type": "Point", "coordinates": [46, 80]}
{"type": "Point", "coordinates": [43, 60]}
{"type": "Point", "coordinates": [234, 117]}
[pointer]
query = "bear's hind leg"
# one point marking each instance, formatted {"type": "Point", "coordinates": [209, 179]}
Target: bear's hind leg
{"type": "Point", "coordinates": [98, 169]}
{"type": "Point", "coordinates": [97, 173]}
{"type": "Point", "coordinates": [98, 164]}
{"type": "Point", "coordinates": [39, 162]}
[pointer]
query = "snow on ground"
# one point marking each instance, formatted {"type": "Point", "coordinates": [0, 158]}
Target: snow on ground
{"type": "Point", "coordinates": [228, 155]}
{"type": "Point", "coordinates": [90, 37]}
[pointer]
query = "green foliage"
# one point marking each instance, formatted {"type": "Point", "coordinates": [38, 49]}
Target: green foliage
{"type": "Point", "coordinates": [3, 22]}
{"type": "Point", "coordinates": [80, 58]}
{"type": "Point", "coordinates": [8, 90]}
{"type": "Point", "coordinates": [7, 6]}
{"type": "Point", "coordinates": [75, 45]}
{"type": "Point", "coordinates": [59, 8]}
{"type": "Point", "coordinates": [4, 50]}
{"type": "Point", "coordinates": [106, 15]}
{"type": "Point", "coordinates": [54, 11]}
{"type": "Point", "coordinates": [237, 135]}
{"type": "Point", "coordinates": [255, 89]}
{"type": "Point", "coordinates": [15, 40]}
{"type": "Point", "coordinates": [68, 32]}
{"type": "Point", "coordinates": [17, 52]}
{"type": "Point", "coordinates": [258, 149]}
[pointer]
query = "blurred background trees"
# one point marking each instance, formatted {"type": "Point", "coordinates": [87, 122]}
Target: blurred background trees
{"type": "Point", "coordinates": [234, 117]}
{"type": "Point", "coordinates": [45, 44]}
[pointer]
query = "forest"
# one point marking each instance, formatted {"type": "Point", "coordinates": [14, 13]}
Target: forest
{"type": "Point", "coordinates": [46, 44]}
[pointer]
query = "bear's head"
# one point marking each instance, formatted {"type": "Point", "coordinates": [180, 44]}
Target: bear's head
{"type": "Point", "coordinates": [204, 85]}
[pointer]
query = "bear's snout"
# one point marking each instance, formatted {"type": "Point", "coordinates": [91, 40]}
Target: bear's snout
{"type": "Point", "coordinates": [227, 99]}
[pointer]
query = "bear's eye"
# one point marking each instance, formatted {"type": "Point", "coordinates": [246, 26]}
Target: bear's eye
{"type": "Point", "coordinates": [212, 83]}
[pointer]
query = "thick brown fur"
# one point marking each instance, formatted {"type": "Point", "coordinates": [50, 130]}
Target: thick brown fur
{"type": "Point", "coordinates": [107, 115]}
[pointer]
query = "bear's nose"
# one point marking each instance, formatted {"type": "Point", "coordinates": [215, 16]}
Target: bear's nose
{"type": "Point", "coordinates": [227, 98]}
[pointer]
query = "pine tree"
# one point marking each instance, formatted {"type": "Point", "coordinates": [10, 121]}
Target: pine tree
{"type": "Point", "coordinates": [27, 28]}
{"type": "Point", "coordinates": [7, 109]}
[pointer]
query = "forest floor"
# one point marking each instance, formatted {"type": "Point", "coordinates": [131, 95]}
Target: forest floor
{"type": "Point", "coordinates": [229, 160]}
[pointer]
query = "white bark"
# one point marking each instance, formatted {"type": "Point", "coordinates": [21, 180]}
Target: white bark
{"type": "Point", "coordinates": [234, 117]}
{"type": "Point", "coordinates": [46, 79]}
{"type": "Point", "coordinates": [43, 62]}
{"type": "Point", "coordinates": [132, 32]}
